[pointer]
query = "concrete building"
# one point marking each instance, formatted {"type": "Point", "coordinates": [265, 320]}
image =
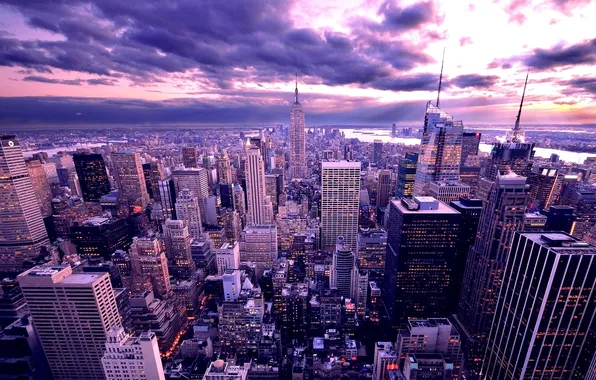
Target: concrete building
{"type": "Point", "coordinates": [448, 191]}
{"type": "Point", "coordinates": [227, 257]}
{"type": "Point", "coordinates": [343, 272]}
{"type": "Point", "coordinates": [130, 180]}
{"type": "Point", "coordinates": [148, 259]}
{"type": "Point", "coordinates": [260, 209]}
{"type": "Point", "coordinates": [221, 370]}
{"type": "Point", "coordinates": [188, 210]}
{"type": "Point", "coordinates": [177, 240]}
{"type": "Point", "coordinates": [386, 359]}
{"type": "Point", "coordinates": [258, 244]}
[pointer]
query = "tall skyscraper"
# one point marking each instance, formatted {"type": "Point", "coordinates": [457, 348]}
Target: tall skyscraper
{"type": "Point", "coordinates": [340, 196]}
{"type": "Point", "coordinates": [259, 205]}
{"type": "Point", "coordinates": [224, 171]}
{"type": "Point", "coordinates": [22, 231]}
{"type": "Point", "coordinates": [41, 186]}
{"type": "Point", "coordinates": [544, 183]}
{"type": "Point", "coordinates": [73, 313]}
{"type": "Point", "coordinates": [177, 239]}
{"type": "Point", "coordinates": [406, 175]}
{"type": "Point", "coordinates": [372, 250]}
{"type": "Point", "coordinates": [298, 167]}
{"type": "Point", "coordinates": [167, 198]}
{"type": "Point", "coordinates": [194, 179]}
{"type": "Point", "coordinates": [440, 156]}
{"type": "Point", "coordinates": [153, 172]}
{"type": "Point", "coordinates": [383, 188]}
{"type": "Point", "coordinates": [503, 214]}
{"type": "Point", "coordinates": [469, 145]}
{"type": "Point", "coordinates": [148, 259]}
{"type": "Point", "coordinates": [93, 176]}
{"type": "Point", "coordinates": [188, 210]}
{"type": "Point", "coordinates": [132, 357]}
{"type": "Point", "coordinates": [583, 200]}
{"type": "Point", "coordinates": [343, 274]}
{"type": "Point", "coordinates": [377, 151]}
{"type": "Point", "coordinates": [128, 173]}
{"type": "Point", "coordinates": [545, 309]}
{"type": "Point", "coordinates": [422, 240]}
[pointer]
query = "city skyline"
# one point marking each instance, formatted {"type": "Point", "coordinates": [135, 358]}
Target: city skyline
{"type": "Point", "coordinates": [367, 62]}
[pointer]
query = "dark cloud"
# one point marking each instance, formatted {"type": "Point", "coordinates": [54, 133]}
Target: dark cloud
{"type": "Point", "coordinates": [474, 80]}
{"type": "Point", "coordinates": [72, 82]}
{"type": "Point", "coordinates": [587, 84]}
{"type": "Point", "coordinates": [578, 54]}
{"type": "Point", "coordinates": [416, 82]}
{"type": "Point", "coordinates": [407, 18]}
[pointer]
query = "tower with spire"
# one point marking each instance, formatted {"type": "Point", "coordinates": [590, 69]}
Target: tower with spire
{"type": "Point", "coordinates": [297, 138]}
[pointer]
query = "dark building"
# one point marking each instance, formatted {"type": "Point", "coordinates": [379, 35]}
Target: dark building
{"type": "Point", "coordinates": [545, 309]}
{"type": "Point", "coordinates": [100, 266]}
{"type": "Point", "coordinates": [100, 237]}
{"type": "Point", "coordinates": [543, 183]}
{"type": "Point", "coordinates": [372, 249]}
{"type": "Point", "coordinates": [470, 210]}
{"type": "Point", "coordinates": [469, 145]}
{"type": "Point", "coordinates": [583, 199]}
{"type": "Point", "coordinates": [559, 218]}
{"type": "Point", "coordinates": [470, 175]}
{"type": "Point", "coordinates": [516, 157]}
{"type": "Point", "coordinates": [226, 194]}
{"type": "Point", "coordinates": [377, 152]}
{"type": "Point", "coordinates": [93, 176]}
{"type": "Point", "coordinates": [502, 215]}
{"type": "Point", "coordinates": [406, 175]}
{"type": "Point", "coordinates": [383, 188]}
{"type": "Point", "coordinates": [422, 242]}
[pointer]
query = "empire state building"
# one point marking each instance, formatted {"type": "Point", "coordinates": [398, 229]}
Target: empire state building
{"type": "Point", "coordinates": [297, 136]}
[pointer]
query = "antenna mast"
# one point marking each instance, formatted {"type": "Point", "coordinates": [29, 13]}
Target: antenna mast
{"type": "Point", "coordinates": [517, 132]}
{"type": "Point", "coordinates": [440, 78]}
{"type": "Point", "coordinates": [296, 100]}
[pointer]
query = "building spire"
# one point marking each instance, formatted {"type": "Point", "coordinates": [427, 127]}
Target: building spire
{"type": "Point", "coordinates": [518, 133]}
{"type": "Point", "coordinates": [440, 78]}
{"type": "Point", "coordinates": [296, 91]}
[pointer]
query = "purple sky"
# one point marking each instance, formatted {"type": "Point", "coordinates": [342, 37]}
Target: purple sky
{"type": "Point", "coordinates": [233, 62]}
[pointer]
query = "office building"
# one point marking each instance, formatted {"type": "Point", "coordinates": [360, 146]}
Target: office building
{"type": "Point", "coordinates": [559, 218]}
{"type": "Point", "coordinates": [22, 230]}
{"type": "Point", "coordinates": [93, 176]}
{"type": "Point", "coordinates": [383, 188]}
{"type": "Point", "coordinates": [148, 260]}
{"type": "Point", "coordinates": [194, 179]}
{"type": "Point", "coordinates": [583, 200]}
{"type": "Point", "coordinates": [470, 143]}
{"type": "Point", "coordinates": [386, 359]}
{"type": "Point", "coordinates": [545, 309]}
{"type": "Point", "coordinates": [153, 172]}
{"type": "Point", "coordinates": [440, 156]}
{"type": "Point", "coordinates": [167, 198]}
{"type": "Point", "coordinates": [211, 204]}
{"type": "Point", "coordinates": [422, 241]}
{"type": "Point", "coordinates": [41, 186]}
{"type": "Point", "coordinates": [260, 209]}
{"type": "Point", "coordinates": [190, 157]}
{"type": "Point", "coordinates": [545, 187]}
{"type": "Point", "coordinates": [377, 155]}
{"type": "Point", "coordinates": [406, 175]}
{"type": "Point", "coordinates": [132, 357]}
{"type": "Point", "coordinates": [470, 175]}
{"type": "Point", "coordinates": [340, 192]}
{"type": "Point", "coordinates": [372, 250]}
{"type": "Point", "coordinates": [224, 171]}
{"type": "Point", "coordinates": [128, 173]}
{"type": "Point", "coordinates": [100, 237]}
{"type": "Point", "coordinates": [226, 195]}
{"type": "Point", "coordinates": [486, 263]}
{"type": "Point", "coordinates": [73, 313]}
{"type": "Point", "coordinates": [343, 274]}
{"type": "Point", "coordinates": [298, 167]}
{"type": "Point", "coordinates": [258, 245]}
{"type": "Point", "coordinates": [448, 191]}
{"type": "Point", "coordinates": [221, 370]}
{"type": "Point", "coordinates": [227, 257]}
{"type": "Point", "coordinates": [188, 210]}
{"type": "Point", "coordinates": [232, 284]}
{"type": "Point", "coordinates": [177, 240]}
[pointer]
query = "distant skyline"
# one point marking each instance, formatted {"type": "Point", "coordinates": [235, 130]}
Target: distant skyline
{"type": "Point", "coordinates": [109, 62]}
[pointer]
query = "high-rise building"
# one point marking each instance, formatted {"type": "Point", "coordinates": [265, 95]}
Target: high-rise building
{"type": "Point", "coordinates": [448, 191]}
{"type": "Point", "coordinates": [372, 250]}
{"type": "Point", "coordinates": [188, 210]}
{"type": "Point", "coordinates": [386, 359]}
{"type": "Point", "coordinates": [503, 214]}
{"type": "Point", "coordinates": [583, 200]}
{"type": "Point", "coordinates": [148, 259]}
{"type": "Point", "coordinates": [343, 274]}
{"type": "Point", "coordinates": [167, 198]}
{"type": "Point", "coordinates": [545, 309]}
{"type": "Point", "coordinates": [128, 173]}
{"type": "Point", "coordinates": [258, 244]}
{"type": "Point", "coordinates": [100, 237]}
{"type": "Point", "coordinates": [73, 313]}
{"type": "Point", "coordinates": [559, 218]}
{"type": "Point", "coordinates": [469, 145]}
{"type": "Point", "coordinates": [177, 239]}
{"type": "Point", "coordinates": [132, 357]}
{"type": "Point", "coordinates": [384, 188]}
{"type": "Point", "coordinates": [41, 186]}
{"type": "Point", "coordinates": [377, 152]}
{"type": "Point", "coordinates": [190, 157]}
{"type": "Point", "coordinates": [406, 175]}
{"type": "Point", "coordinates": [298, 167]}
{"type": "Point", "coordinates": [22, 231]}
{"type": "Point", "coordinates": [224, 171]}
{"type": "Point", "coordinates": [543, 181]}
{"type": "Point", "coordinates": [153, 172]}
{"type": "Point", "coordinates": [227, 257]}
{"type": "Point", "coordinates": [422, 240]}
{"type": "Point", "coordinates": [340, 195]}
{"type": "Point", "coordinates": [259, 204]}
{"type": "Point", "coordinates": [194, 179]}
{"type": "Point", "coordinates": [93, 176]}
{"type": "Point", "coordinates": [440, 156]}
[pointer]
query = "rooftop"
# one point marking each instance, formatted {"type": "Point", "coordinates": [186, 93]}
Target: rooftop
{"type": "Point", "coordinates": [441, 208]}
{"type": "Point", "coordinates": [561, 243]}
{"type": "Point", "coordinates": [341, 164]}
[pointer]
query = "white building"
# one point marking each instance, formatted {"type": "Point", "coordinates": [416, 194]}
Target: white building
{"type": "Point", "coordinates": [448, 191]}
{"type": "Point", "coordinates": [129, 357]}
{"type": "Point", "coordinates": [188, 210]}
{"type": "Point", "coordinates": [340, 190]}
{"type": "Point", "coordinates": [73, 313]}
{"type": "Point", "coordinates": [227, 257]}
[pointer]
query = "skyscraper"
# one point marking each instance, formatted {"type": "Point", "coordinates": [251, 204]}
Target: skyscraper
{"type": "Point", "coordinates": [148, 259]}
{"type": "Point", "coordinates": [259, 206]}
{"type": "Point", "coordinates": [227, 257]}
{"type": "Point", "coordinates": [583, 200]}
{"type": "Point", "coordinates": [177, 239]}
{"type": "Point", "coordinates": [100, 237]}
{"type": "Point", "coordinates": [224, 171]}
{"type": "Point", "coordinates": [167, 198]}
{"type": "Point", "coordinates": [440, 156]}
{"type": "Point", "coordinates": [153, 172]}
{"type": "Point", "coordinates": [128, 173]}
{"type": "Point", "coordinates": [406, 175]}
{"type": "Point", "coordinates": [469, 145]}
{"type": "Point", "coordinates": [190, 158]}
{"type": "Point", "coordinates": [93, 176]}
{"type": "Point", "coordinates": [187, 209]}
{"type": "Point", "coordinates": [422, 240]}
{"type": "Point", "coordinates": [503, 214]}
{"type": "Point", "coordinates": [258, 244]}
{"type": "Point", "coordinates": [22, 231]}
{"type": "Point", "coordinates": [41, 186]}
{"type": "Point", "coordinates": [545, 309]}
{"type": "Point", "coordinates": [298, 167]}
{"type": "Point", "coordinates": [73, 313]}
{"type": "Point", "coordinates": [383, 188]}
{"type": "Point", "coordinates": [372, 250]}
{"type": "Point", "coordinates": [343, 274]}
{"type": "Point", "coordinates": [340, 196]}
{"type": "Point", "coordinates": [544, 183]}
{"type": "Point", "coordinates": [377, 151]}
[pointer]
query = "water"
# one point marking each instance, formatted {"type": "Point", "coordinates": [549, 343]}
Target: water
{"type": "Point", "coordinates": [370, 135]}
{"type": "Point", "coordinates": [70, 148]}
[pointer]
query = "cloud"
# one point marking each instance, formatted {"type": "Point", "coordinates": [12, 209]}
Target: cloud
{"type": "Point", "coordinates": [578, 54]}
{"type": "Point", "coordinates": [474, 80]}
{"type": "Point", "coordinates": [414, 16]}
{"type": "Point", "coordinates": [587, 84]}
{"type": "Point", "coordinates": [72, 82]}
{"type": "Point", "coordinates": [465, 41]}
{"type": "Point", "coordinates": [414, 82]}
